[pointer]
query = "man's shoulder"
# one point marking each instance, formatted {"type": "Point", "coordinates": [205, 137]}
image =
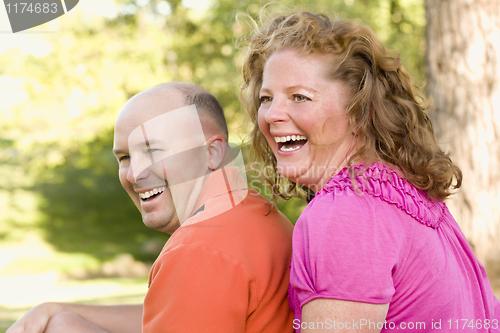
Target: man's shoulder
{"type": "Point", "coordinates": [256, 214]}
{"type": "Point", "coordinates": [253, 222]}
{"type": "Point", "coordinates": [254, 211]}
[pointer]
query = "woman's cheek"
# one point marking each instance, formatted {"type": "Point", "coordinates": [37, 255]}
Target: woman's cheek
{"type": "Point", "coordinates": [263, 125]}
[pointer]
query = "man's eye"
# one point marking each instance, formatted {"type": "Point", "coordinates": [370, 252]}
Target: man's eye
{"type": "Point", "coordinates": [300, 98]}
{"type": "Point", "coordinates": [152, 150]}
{"type": "Point", "coordinates": [124, 157]}
{"type": "Point", "coordinates": [265, 99]}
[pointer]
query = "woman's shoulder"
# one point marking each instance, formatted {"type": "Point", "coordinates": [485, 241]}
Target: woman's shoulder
{"type": "Point", "coordinates": [384, 185]}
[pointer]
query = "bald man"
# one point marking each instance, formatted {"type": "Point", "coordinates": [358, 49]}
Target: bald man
{"type": "Point", "coordinates": [225, 267]}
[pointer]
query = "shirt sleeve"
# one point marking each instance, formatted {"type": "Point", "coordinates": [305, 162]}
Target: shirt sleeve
{"type": "Point", "coordinates": [194, 289]}
{"type": "Point", "coordinates": [346, 247]}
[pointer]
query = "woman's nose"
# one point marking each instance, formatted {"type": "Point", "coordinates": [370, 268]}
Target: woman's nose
{"type": "Point", "coordinates": [276, 112]}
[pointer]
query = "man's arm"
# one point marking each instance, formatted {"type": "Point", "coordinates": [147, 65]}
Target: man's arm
{"type": "Point", "coordinates": [111, 318]}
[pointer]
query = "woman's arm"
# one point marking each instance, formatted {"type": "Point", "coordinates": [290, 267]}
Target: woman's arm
{"type": "Point", "coordinates": [342, 316]}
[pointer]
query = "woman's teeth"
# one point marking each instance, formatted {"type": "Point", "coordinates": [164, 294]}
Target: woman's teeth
{"type": "Point", "coordinates": [283, 148]}
{"type": "Point", "coordinates": [290, 142]}
{"type": "Point", "coordinates": [289, 137]}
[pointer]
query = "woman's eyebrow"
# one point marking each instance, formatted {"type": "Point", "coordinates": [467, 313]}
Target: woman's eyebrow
{"type": "Point", "coordinates": [118, 151]}
{"type": "Point", "coordinates": [297, 87]}
{"type": "Point", "coordinates": [264, 91]}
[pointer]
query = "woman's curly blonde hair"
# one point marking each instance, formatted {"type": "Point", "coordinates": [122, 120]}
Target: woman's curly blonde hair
{"type": "Point", "coordinates": [384, 107]}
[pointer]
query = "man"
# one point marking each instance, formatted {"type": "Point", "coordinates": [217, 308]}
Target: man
{"type": "Point", "coordinates": [226, 268]}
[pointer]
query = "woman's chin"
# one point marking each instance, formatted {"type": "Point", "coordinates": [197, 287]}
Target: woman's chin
{"type": "Point", "coordinates": [293, 174]}
{"type": "Point", "coordinates": [289, 171]}
{"type": "Point", "coordinates": [293, 170]}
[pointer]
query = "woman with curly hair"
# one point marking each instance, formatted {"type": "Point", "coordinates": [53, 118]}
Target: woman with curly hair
{"type": "Point", "coordinates": [376, 249]}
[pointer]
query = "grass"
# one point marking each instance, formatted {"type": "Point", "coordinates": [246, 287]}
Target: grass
{"type": "Point", "coordinates": [33, 272]}
{"type": "Point", "coordinates": [96, 292]}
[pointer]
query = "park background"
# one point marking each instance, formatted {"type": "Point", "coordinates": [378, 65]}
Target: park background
{"type": "Point", "coordinates": [69, 232]}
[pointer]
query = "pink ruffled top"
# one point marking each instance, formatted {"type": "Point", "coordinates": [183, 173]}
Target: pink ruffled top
{"type": "Point", "coordinates": [384, 241]}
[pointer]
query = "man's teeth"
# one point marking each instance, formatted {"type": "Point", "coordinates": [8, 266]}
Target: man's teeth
{"type": "Point", "coordinates": [289, 137]}
{"type": "Point", "coordinates": [148, 194]}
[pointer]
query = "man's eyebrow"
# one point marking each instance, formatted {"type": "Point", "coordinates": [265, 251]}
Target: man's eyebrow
{"type": "Point", "coordinates": [153, 141]}
{"type": "Point", "coordinates": [117, 151]}
{"type": "Point", "coordinates": [146, 143]}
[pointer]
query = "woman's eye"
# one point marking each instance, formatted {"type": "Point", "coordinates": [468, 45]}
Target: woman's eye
{"type": "Point", "coordinates": [124, 157]}
{"type": "Point", "coordinates": [300, 98]}
{"type": "Point", "coordinates": [265, 99]}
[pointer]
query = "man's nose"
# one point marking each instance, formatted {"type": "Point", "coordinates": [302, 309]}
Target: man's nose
{"type": "Point", "coordinates": [130, 175]}
{"type": "Point", "coordinates": [145, 174]}
{"type": "Point", "coordinates": [139, 168]}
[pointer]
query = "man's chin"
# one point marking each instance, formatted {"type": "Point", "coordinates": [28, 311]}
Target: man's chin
{"type": "Point", "coordinates": [161, 223]}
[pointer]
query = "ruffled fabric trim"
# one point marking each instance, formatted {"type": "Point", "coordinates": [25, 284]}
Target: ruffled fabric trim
{"type": "Point", "coordinates": [387, 185]}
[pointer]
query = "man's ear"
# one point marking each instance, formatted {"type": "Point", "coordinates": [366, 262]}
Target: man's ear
{"type": "Point", "coordinates": [216, 146]}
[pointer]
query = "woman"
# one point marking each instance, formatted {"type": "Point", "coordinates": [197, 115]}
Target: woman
{"type": "Point", "coordinates": [376, 250]}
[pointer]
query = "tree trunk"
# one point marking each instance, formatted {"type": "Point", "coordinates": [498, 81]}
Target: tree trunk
{"type": "Point", "coordinates": [463, 71]}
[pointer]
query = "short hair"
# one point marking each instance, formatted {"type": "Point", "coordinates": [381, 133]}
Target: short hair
{"type": "Point", "coordinates": [384, 104]}
{"type": "Point", "coordinates": [205, 102]}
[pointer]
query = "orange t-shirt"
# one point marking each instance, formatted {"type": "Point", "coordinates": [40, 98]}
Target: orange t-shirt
{"type": "Point", "coordinates": [226, 273]}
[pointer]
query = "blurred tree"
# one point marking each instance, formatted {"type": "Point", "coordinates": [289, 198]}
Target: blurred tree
{"type": "Point", "coordinates": [58, 141]}
{"type": "Point", "coordinates": [86, 210]}
{"type": "Point", "coordinates": [463, 68]}
{"type": "Point", "coordinates": [61, 137]}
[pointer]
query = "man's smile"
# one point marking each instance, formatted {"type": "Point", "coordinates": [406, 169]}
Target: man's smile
{"type": "Point", "coordinates": [148, 194]}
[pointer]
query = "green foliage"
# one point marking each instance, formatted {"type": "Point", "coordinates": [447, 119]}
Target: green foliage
{"type": "Point", "coordinates": [86, 210]}
{"type": "Point", "coordinates": [55, 147]}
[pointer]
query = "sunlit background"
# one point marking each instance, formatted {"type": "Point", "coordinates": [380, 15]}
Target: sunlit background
{"type": "Point", "coordinates": [68, 231]}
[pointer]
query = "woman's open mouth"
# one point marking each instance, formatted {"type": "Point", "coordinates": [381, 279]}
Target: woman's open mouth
{"type": "Point", "coordinates": [290, 142]}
